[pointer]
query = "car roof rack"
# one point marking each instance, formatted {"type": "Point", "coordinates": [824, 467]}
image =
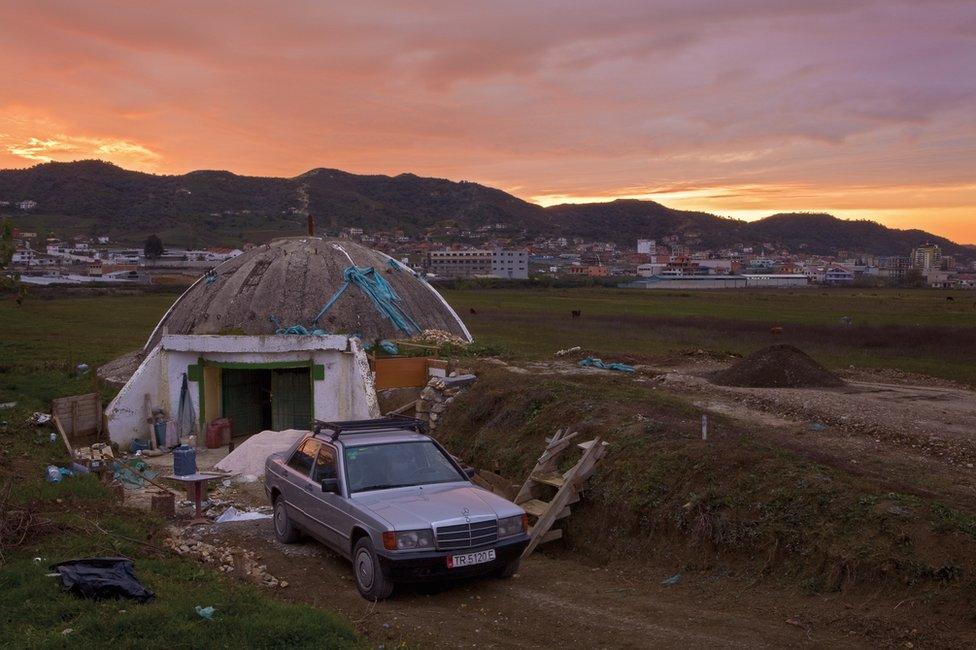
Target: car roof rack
{"type": "Point", "coordinates": [371, 426]}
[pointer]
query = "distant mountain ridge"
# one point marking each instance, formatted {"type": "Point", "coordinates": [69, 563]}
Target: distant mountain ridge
{"type": "Point", "coordinates": [221, 208]}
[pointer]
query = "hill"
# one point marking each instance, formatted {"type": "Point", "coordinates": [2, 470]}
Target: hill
{"type": "Point", "coordinates": [222, 208]}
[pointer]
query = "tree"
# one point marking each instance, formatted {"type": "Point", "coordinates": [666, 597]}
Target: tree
{"type": "Point", "coordinates": [7, 246]}
{"type": "Point", "coordinates": [153, 248]}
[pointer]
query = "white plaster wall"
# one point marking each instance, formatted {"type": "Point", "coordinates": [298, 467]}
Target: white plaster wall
{"type": "Point", "coordinates": [126, 413]}
{"type": "Point", "coordinates": [346, 393]}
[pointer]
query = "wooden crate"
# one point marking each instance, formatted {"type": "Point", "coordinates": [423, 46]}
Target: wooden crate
{"type": "Point", "coordinates": [80, 417]}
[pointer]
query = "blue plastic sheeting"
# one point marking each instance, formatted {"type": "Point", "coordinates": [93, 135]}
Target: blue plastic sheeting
{"type": "Point", "coordinates": [296, 329]}
{"type": "Point", "coordinates": [599, 363]}
{"type": "Point", "coordinates": [384, 298]}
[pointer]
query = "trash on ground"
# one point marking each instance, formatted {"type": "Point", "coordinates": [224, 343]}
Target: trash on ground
{"type": "Point", "coordinates": [102, 577]}
{"type": "Point", "coordinates": [134, 476]}
{"type": "Point", "coordinates": [7, 405]}
{"type": "Point", "coordinates": [562, 353]}
{"type": "Point", "coordinates": [600, 363]}
{"type": "Point", "coordinates": [233, 514]}
{"type": "Point", "coordinates": [38, 418]}
{"type": "Point", "coordinates": [205, 612]}
{"type": "Point", "coordinates": [673, 580]}
{"type": "Point", "coordinates": [56, 474]}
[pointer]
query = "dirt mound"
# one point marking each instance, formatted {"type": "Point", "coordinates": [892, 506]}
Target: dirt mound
{"type": "Point", "coordinates": [778, 366]}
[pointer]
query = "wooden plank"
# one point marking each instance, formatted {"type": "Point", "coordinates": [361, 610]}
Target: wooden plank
{"type": "Point", "coordinates": [400, 372]}
{"type": "Point", "coordinates": [551, 535]}
{"type": "Point", "coordinates": [589, 443]}
{"type": "Point", "coordinates": [64, 436]}
{"type": "Point", "coordinates": [568, 491]}
{"type": "Point", "coordinates": [553, 479]}
{"type": "Point", "coordinates": [405, 407]}
{"type": "Point", "coordinates": [546, 464]}
{"type": "Point", "coordinates": [497, 483]}
{"type": "Point", "coordinates": [147, 406]}
{"type": "Point", "coordinates": [535, 507]}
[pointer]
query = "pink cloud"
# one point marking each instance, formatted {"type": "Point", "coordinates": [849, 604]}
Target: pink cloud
{"type": "Point", "coordinates": [548, 97]}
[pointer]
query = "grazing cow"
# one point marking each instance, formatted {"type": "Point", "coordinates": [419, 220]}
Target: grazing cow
{"type": "Point", "coordinates": [473, 312]}
{"type": "Point", "coordinates": [950, 299]}
{"type": "Point", "coordinates": [576, 313]}
{"type": "Point", "coordinates": [776, 331]}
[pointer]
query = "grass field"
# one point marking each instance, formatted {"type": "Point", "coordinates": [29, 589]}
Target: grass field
{"type": "Point", "coordinates": [910, 330]}
{"type": "Point", "coordinates": [39, 343]}
{"type": "Point", "coordinates": [43, 340]}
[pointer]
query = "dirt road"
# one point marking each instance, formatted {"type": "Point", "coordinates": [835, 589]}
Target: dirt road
{"type": "Point", "coordinates": [557, 603]}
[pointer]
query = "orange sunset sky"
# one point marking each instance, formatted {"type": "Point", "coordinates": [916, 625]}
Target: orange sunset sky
{"type": "Point", "coordinates": [865, 109]}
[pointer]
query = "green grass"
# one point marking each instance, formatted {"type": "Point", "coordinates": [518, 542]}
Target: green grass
{"type": "Point", "coordinates": [34, 612]}
{"type": "Point", "coordinates": [43, 340]}
{"type": "Point", "coordinates": [738, 500]}
{"type": "Point", "coordinates": [78, 517]}
{"type": "Point", "coordinates": [910, 330]}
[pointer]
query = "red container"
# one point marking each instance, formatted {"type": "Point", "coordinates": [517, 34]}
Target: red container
{"type": "Point", "coordinates": [218, 433]}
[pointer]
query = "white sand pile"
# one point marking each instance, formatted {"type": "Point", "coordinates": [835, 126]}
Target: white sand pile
{"type": "Point", "coordinates": [248, 458]}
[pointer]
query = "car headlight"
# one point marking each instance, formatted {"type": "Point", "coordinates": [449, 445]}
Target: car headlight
{"type": "Point", "coordinates": [414, 539]}
{"type": "Point", "coordinates": [512, 525]}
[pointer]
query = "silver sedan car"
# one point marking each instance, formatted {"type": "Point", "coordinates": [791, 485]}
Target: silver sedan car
{"type": "Point", "coordinates": [391, 499]}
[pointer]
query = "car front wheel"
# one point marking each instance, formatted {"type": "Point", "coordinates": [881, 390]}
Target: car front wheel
{"type": "Point", "coordinates": [510, 568]}
{"type": "Point", "coordinates": [370, 581]}
{"type": "Point", "coordinates": [285, 531]}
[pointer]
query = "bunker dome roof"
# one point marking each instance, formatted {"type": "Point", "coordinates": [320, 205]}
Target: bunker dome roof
{"type": "Point", "coordinates": [292, 279]}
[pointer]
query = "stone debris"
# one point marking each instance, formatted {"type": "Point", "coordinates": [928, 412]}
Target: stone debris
{"type": "Point", "coordinates": [438, 394]}
{"type": "Point", "coordinates": [439, 337]}
{"type": "Point", "coordinates": [228, 559]}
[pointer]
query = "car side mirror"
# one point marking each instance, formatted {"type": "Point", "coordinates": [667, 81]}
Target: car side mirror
{"type": "Point", "coordinates": [330, 485]}
{"type": "Point", "coordinates": [470, 472]}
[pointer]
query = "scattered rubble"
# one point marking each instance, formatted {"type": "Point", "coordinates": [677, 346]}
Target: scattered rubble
{"type": "Point", "coordinates": [438, 337]}
{"type": "Point", "coordinates": [438, 394]}
{"type": "Point", "coordinates": [229, 559]}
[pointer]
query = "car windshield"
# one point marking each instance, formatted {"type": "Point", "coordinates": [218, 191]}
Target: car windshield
{"type": "Point", "coordinates": [398, 464]}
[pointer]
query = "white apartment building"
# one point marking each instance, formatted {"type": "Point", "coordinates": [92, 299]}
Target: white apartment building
{"type": "Point", "coordinates": [468, 263]}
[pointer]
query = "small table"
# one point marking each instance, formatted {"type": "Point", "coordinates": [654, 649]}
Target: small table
{"type": "Point", "coordinates": [197, 481]}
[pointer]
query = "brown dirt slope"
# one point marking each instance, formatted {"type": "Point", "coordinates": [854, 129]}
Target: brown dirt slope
{"type": "Point", "coordinates": [778, 366]}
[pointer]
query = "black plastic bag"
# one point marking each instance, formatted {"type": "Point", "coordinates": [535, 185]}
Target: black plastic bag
{"type": "Point", "coordinates": [102, 577]}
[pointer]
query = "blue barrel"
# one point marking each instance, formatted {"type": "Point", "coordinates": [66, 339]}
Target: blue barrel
{"type": "Point", "coordinates": [184, 460]}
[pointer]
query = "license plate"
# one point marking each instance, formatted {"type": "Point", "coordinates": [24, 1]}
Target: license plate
{"type": "Point", "coordinates": [469, 559]}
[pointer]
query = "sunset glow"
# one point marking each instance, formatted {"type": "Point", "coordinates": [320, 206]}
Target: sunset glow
{"type": "Point", "coordinates": [861, 109]}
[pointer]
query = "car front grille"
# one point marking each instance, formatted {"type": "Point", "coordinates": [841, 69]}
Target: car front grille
{"type": "Point", "coordinates": [468, 535]}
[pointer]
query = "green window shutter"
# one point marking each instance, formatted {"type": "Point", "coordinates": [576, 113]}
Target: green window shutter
{"type": "Point", "coordinates": [318, 371]}
{"type": "Point", "coordinates": [193, 372]}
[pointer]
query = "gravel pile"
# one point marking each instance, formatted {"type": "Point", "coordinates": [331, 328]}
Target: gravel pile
{"type": "Point", "coordinates": [778, 366]}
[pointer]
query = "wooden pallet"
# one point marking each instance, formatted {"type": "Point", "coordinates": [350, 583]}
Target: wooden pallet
{"type": "Point", "coordinates": [546, 477]}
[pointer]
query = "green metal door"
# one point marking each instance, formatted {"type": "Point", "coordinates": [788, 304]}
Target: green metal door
{"type": "Point", "coordinates": [246, 399]}
{"type": "Point", "coordinates": [291, 401]}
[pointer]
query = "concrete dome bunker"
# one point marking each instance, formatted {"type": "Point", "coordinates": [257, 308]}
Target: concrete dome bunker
{"type": "Point", "coordinates": [219, 334]}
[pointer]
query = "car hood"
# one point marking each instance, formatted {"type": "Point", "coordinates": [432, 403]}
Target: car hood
{"type": "Point", "coordinates": [433, 505]}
